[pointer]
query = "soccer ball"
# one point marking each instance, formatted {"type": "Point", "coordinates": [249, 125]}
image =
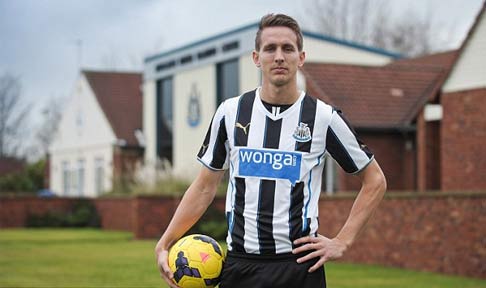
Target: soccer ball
{"type": "Point", "coordinates": [196, 261]}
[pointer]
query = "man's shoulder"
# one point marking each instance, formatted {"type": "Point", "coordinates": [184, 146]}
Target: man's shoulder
{"type": "Point", "coordinates": [321, 104]}
{"type": "Point", "coordinates": [249, 95]}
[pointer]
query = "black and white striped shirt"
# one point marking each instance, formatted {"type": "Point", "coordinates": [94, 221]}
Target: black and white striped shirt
{"type": "Point", "coordinates": [275, 163]}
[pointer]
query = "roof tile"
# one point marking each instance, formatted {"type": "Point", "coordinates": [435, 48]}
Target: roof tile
{"type": "Point", "coordinates": [387, 96]}
{"type": "Point", "coordinates": [120, 97]}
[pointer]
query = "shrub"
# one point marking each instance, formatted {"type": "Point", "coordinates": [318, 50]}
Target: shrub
{"type": "Point", "coordinates": [28, 180]}
{"type": "Point", "coordinates": [83, 214]}
{"type": "Point", "coordinates": [212, 223]}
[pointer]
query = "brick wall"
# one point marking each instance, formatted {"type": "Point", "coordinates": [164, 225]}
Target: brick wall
{"type": "Point", "coordinates": [115, 214]}
{"type": "Point", "coordinates": [434, 233]}
{"type": "Point", "coordinates": [14, 211]}
{"type": "Point", "coordinates": [153, 215]}
{"type": "Point", "coordinates": [463, 138]}
{"type": "Point", "coordinates": [395, 159]}
{"type": "Point", "coordinates": [429, 232]}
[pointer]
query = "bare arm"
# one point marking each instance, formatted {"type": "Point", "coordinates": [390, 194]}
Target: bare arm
{"type": "Point", "coordinates": [372, 191]}
{"type": "Point", "coordinates": [373, 186]}
{"type": "Point", "coordinates": [193, 205]}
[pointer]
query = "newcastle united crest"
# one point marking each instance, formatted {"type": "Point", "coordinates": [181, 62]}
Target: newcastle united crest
{"type": "Point", "coordinates": [302, 133]}
{"type": "Point", "coordinates": [194, 107]}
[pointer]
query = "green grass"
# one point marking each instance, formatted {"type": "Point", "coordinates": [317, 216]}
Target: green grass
{"type": "Point", "coordinates": [94, 258]}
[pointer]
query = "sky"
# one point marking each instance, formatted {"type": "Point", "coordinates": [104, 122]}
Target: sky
{"type": "Point", "coordinates": [45, 43]}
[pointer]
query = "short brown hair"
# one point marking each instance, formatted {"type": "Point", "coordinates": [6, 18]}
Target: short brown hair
{"type": "Point", "coordinates": [273, 20]}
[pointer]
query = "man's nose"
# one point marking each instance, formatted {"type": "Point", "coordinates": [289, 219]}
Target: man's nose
{"type": "Point", "coordinates": [279, 56]}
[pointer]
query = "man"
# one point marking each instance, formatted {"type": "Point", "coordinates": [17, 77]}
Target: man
{"type": "Point", "coordinates": [273, 140]}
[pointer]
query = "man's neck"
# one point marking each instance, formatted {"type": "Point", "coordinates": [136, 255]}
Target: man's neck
{"type": "Point", "coordinates": [284, 95]}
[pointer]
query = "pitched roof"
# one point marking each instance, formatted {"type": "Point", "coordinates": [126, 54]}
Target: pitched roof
{"type": "Point", "coordinates": [374, 97]}
{"type": "Point", "coordinates": [442, 60]}
{"type": "Point", "coordinates": [120, 98]}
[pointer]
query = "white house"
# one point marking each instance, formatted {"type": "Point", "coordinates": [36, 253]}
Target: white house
{"type": "Point", "coordinates": [99, 136]}
{"type": "Point", "coordinates": [182, 88]}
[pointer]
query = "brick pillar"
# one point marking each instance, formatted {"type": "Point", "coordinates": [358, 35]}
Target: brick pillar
{"type": "Point", "coordinates": [421, 152]}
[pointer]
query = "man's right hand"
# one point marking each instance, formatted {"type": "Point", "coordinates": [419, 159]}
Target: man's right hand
{"type": "Point", "coordinates": [163, 265]}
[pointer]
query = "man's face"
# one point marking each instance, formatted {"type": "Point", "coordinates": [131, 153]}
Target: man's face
{"type": "Point", "coordinates": [278, 57]}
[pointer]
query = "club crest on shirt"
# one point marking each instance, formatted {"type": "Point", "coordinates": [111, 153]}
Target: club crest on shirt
{"type": "Point", "coordinates": [302, 133]}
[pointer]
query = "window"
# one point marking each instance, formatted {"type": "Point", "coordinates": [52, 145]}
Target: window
{"type": "Point", "coordinates": [186, 59]}
{"type": "Point", "coordinates": [165, 66]}
{"type": "Point", "coordinates": [206, 53]}
{"type": "Point", "coordinates": [231, 46]}
{"type": "Point", "coordinates": [166, 108]}
{"type": "Point", "coordinates": [227, 80]}
{"type": "Point", "coordinates": [164, 118]}
{"type": "Point", "coordinates": [99, 176]}
{"type": "Point", "coordinates": [74, 181]}
{"type": "Point", "coordinates": [66, 183]}
{"type": "Point", "coordinates": [80, 177]}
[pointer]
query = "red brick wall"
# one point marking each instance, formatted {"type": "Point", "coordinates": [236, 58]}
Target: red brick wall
{"type": "Point", "coordinates": [463, 140]}
{"type": "Point", "coordinates": [153, 215]}
{"type": "Point", "coordinates": [432, 232]}
{"type": "Point", "coordinates": [435, 233]}
{"type": "Point", "coordinates": [438, 233]}
{"type": "Point", "coordinates": [14, 211]}
{"type": "Point", "coordinates": [115, 214]}
{"type": "Point", "coordinates": [397, 163]}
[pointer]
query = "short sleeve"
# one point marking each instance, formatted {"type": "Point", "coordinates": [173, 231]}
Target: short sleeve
{"type": "Point", "coordinates": [343, 145]}
{"type": "Point", "coordinates": [214, 150]}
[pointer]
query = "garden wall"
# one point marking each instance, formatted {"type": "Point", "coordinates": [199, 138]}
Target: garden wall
{"type": "Point", "coordinates": [429, 232]}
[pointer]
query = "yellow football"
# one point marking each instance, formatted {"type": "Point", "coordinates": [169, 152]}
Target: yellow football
{"type": "Point", "coordinates": [197, 261]}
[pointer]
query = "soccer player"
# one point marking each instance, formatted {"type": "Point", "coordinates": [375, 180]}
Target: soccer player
{"type": "Point", "coordinates": [273, 140]}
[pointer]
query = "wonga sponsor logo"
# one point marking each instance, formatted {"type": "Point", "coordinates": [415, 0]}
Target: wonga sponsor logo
{"type": "Point", "coordinates": [270, 164]}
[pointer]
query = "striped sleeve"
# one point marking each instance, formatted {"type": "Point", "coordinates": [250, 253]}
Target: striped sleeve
{"type": "Point", "coordinates": [343, 145]}
{"type": "Point", "coordinates": [214, 150]}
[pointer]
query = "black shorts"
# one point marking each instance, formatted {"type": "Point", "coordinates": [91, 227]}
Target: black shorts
{"type": "Point", "coordinates": [270, 271]}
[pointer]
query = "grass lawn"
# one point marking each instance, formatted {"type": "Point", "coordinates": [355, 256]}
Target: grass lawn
{"type": "Point", "coordinates": [94, 258]}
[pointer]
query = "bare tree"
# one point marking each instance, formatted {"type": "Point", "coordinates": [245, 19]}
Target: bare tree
{"type": "Point", "coordinates": [13, 116]}
{"type": "Point", "coordinates": [372, 22]}
{"type": "Point", "coordinates": [51, 116]}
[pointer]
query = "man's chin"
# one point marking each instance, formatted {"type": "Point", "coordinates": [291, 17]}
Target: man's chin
{"type": "Point", "coordinates": [280, 81]}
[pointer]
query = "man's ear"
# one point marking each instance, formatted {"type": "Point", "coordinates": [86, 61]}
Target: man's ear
{"type": "Point", "coordinates": [256, 58]}
{"type": "Point", "coordinates": [301, 58]}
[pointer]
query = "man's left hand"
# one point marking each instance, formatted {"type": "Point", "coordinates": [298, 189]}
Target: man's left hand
{"type": "Point", "coordinates": [324, 248]}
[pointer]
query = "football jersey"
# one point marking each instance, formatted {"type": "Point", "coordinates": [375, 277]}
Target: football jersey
{"type": "Point", "coordinates": [275, 163]}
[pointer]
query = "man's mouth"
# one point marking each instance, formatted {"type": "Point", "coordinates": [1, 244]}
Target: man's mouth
{"type": "Point", "coordinates": [279, 69]}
